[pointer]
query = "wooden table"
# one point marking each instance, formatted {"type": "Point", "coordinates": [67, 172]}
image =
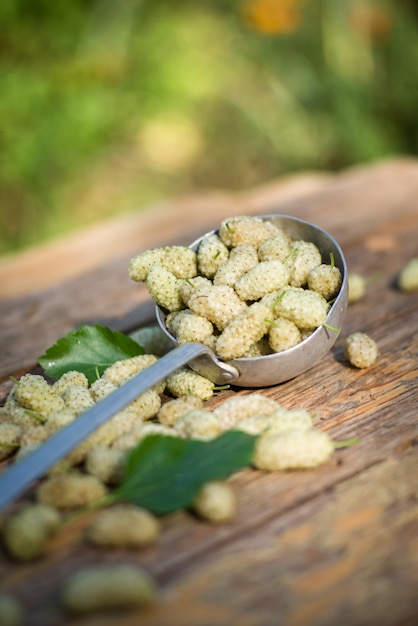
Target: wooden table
{"type": "Point", "coordinates": [335, 545]}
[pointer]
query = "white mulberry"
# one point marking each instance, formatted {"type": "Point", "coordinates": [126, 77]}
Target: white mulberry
{"type": "Point", "coordinates": [187, 287]}
{"type": "Point", "coordinates": [69, 379]}
{"type": "Point", "coordinates": [215, 502]}
{"type": "Point", "coordinates": [129, 439]}
{"type": "Point", "coordinates": [408, 277]}
{"type": "Point", "coordinates": [241, 259]}
{"type": "Point", "coordinates": [263, 278]}
{"type": "Point", "coordinates": [153, 428]}
{"type": "Point", "coordinates": [303, 258]}
{"type": "Point", "coordinates": [147, 405]}
{"type": "Point", "coordinates": [78, 397]}
{"type": "Point", "coordinates": [123, 526]}
{"type": "Point", "coordinates": [188, 326]}
{"type": "Point", "coordinates": [185, 381]}
{"type": "Point", "coordinates": [307, 309]}
{"type": "Point", "coordinates": [106, 463]}
{"type": "Point", "coordinates": [121, 371]}
{"type": "Point", "coordinates": [247, 230]}
{"type": "Point", "coordinates": [34, 393]}
{"type": "Point", "coordinates": [70, 491]}
{"type": "Point", "coordinates": [179, 260]}
{"type": "Point", "coordinates": [35, 434]}
{"type": "Point", "coordinates": [132, 437]}
{"type": "Point", "coordinates": [59, 419]}
{"type": "Point", "coordinates": [198, 424]}
{"type": "Point", "coordinates": [276, 422]}
{"type": "Point", "coordinates": [212, 253]}
{"type": "Point", "coordinates": [326, 280]}
{"type": "Point", "coordinates": [15, 414]}
{"type": "Point", "coordinates": [240, 407]}
{"type": "Point", "coordinates": [218, 303]}
{"type": "Point", "coordinates": [101, 388]}
{"type": "Point", "coordinates": [356, 287]}
{"type": "Point", "coordinates": [292, 449]}
{"type": "Point", "coordinates": [276, 248]}
{"type": "Point", "coordinates": [122, 422]}
{"type": "Point", "coordinates": [26, 533]}
{"type": "Point", "coordinates": [164, 288]}
{"type": "Point", "coordinates": [104, 587]}
{"type": "Point", "coordinates": [243, 331]}
{"type": "Point", "coordinates": [360, 350]}
{"type": "Point", "coordinates": [283, 334]}
{"type": "Point", "coordinates": [170, 411]}
{"type": "Point", "coordinates": [104, 435]}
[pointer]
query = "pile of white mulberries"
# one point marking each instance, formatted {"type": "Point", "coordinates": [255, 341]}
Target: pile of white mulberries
{"type": "Point", "coordinates": [35, 409]}
{"type": "Point", "coordinates": [248, 290]}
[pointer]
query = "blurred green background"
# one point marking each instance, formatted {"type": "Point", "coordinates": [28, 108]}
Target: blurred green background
{"type": "Point", "coordinates": [107, 107]}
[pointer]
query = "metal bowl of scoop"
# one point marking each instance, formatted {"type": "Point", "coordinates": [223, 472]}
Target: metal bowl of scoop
{"type": "Point", "coordinates": [272, 369]}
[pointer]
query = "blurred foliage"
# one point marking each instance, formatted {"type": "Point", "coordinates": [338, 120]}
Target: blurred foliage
{"type": "Point", "coordinates": [107, 107]}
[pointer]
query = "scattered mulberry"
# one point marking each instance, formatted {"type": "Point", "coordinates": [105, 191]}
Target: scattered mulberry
{"type": "Point", "coordinates": [292, 449]}
{"type": "Point", "coordinates": [408, 277]}
{"type": "Point", "coordinates": [104, 587]}
{"type": "Point", "coordinates": [25, 534]}
{"type": "Point", "coordinates": [123, 526]}
{"type": "Point", "coordinates": [360, 350]}
{"type": "Point", "coordinates": [215, 502]}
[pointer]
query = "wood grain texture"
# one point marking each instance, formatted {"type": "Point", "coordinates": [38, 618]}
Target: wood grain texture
{"type": "Point", "coordinates": [336, 545]}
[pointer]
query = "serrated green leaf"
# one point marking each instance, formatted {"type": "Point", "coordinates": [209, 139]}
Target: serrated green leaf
{"type": "Point", "coordinates": [165, 473]}
{"type": "Point", "coordinates": [89, 349]}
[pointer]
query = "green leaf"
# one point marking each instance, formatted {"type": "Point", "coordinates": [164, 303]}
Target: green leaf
{"type": "Point", "coordinates": [89, 349]}
{"type": "Point", "coordinates": [165, 473]}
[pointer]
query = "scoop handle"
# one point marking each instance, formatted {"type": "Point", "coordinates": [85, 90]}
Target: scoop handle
{"type": "Point", "coordinates": [15, 480]}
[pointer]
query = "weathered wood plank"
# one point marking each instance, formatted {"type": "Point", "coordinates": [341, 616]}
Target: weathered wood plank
{"type": "Point", "coordinates": [350, 550]}
{"type": "Point", "coordinates": [337, 545]}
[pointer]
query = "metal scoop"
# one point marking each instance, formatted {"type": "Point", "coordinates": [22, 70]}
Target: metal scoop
{"type": "Point", "coordinates": [273, 369]}
{"type": "Point", "coordinates": [243, 372]}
